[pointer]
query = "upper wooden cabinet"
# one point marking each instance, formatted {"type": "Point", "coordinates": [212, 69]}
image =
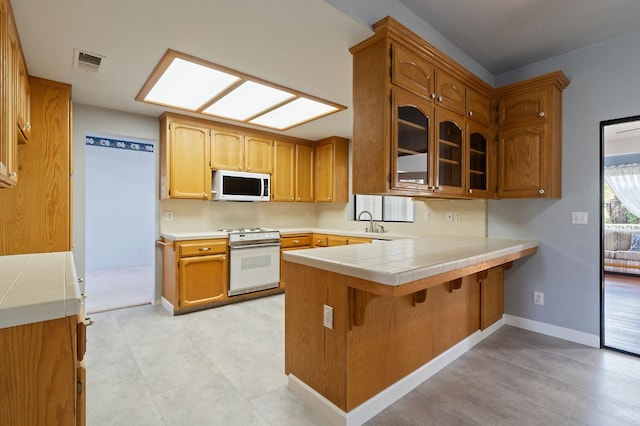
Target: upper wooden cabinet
{"type": "Point", "coordinates": [258, 156]}
{"type": "Point", "coordinates": [14, 104]}
{"type": "Point", "coordinates": [529, 136]}
{"type": "Point", "coordinates": [233, 150]}
{"type": "Point", "coordinates": [478, 107]}
{"type": "Point", "coordinates": [398, 146]}
{"type": "Point", "coordinates": [479, 160]}
{"type": "Point", "coordinates": [227, 150]}
{"type": "Point", "coordinates": [304, 173]}
{"type": "Point", "coordinates": [332, 170]}
{"type": "Point", "coordinates": [424, 126]}
{"type": "Point", "coordinates": [412, 71]}
{"type": "Point", "coordinates": [450, 92]}
{"type": "Point", "coordinates": [292, 178]}
{"type": "Point", "coordinates": [184, 159]}
{"type": "Point", "coordinates": [283, 180]}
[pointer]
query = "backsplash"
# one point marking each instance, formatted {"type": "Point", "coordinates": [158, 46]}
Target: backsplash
{"type": "Point", "coordinates": [194, 216]}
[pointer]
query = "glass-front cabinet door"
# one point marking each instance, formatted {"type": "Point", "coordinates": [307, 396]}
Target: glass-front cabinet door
{"type": "Point", "coordinates": [478, 184]}
{"type": "Point", "coordinates": [450, 153]}
{"type": "Point", "coordinates": [412, 142]}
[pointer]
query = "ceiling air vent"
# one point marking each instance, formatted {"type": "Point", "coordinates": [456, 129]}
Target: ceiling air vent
{"type": "Point", "coordinates": [86, 61]}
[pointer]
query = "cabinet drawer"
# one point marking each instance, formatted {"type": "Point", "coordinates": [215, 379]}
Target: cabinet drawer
{"type": "Point", "coordinates": [296, 241]}
{"type": "Point", "coordinates": [202, 247]}
{"type": "Point", "coordinates": [320, 240]}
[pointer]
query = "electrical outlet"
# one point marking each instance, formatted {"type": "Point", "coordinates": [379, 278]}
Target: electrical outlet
{"type": "Point", "coordinates": [167, 215]}
{"type": "Point", "coordinates": [427, 216]}
{"type": "Point", "coordinates": [328, 317]}
{"type": "Point", "coordinates": [538, 298]}
{"type": "Point", "coordinates": [458, 216]}
{"type": "Point", "coordinates": [449, 216]}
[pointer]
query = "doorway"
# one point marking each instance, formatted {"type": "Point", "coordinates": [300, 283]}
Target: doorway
{"type": "Point", "coordinates": [620, 222]}
{"type": "Point", "coordinates": [119, 230]}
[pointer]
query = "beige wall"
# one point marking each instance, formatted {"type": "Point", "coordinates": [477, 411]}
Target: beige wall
{"type": "Point", "coordinates": [194, 216]}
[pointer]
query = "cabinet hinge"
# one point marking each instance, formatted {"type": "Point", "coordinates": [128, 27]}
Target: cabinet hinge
{"type": "Point", "coordinates": [391, 98]}
{"type": "Point", "coordinates": [79, 387]}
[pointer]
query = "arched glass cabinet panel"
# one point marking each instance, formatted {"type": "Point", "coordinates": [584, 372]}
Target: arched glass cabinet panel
{"type": "Point", "coordinates": [412, 138]}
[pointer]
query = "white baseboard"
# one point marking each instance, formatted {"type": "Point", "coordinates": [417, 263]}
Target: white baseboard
{"type": "Point", "coordinates": [167, 305]}
{"type": "Point", "coordinates": [384, 399]}
{"type": "Point", "coordinates": [553, 330]}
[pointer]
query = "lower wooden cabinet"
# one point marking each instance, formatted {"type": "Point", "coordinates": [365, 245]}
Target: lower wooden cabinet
{"type": "Point", "coordinates": [43, 373]}
{"type": "Point", "coordinates": [202, 280]}
{"type": "Point", "coordinates": [326, 240]}
{"type": "Point", "coordinates": [195, 273]}
{"type": "Point", "coordinates": [292, 242]}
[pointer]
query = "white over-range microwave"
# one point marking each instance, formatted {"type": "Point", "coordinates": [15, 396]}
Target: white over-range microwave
{"type": "Point", "coordinates": [240, 186]}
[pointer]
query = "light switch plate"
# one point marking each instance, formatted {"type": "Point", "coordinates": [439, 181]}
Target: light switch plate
{"type": "Point", "coordinates": [579, 218]}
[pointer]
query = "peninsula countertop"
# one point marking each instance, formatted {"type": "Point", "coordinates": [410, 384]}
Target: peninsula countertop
{"type": "Point", "coordinates": [402, 261]}
{"type": "Point", "coordinates": [38, 287]}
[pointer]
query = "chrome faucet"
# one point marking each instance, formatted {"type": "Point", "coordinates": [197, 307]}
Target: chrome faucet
{"type": "Point", "coordinates": [372, 228]}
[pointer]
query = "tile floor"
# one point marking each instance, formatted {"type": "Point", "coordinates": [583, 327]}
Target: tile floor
{"type": "Point", "coordinates": [224, 366]}
{"type": "Point", "coordinates": [118, 287]}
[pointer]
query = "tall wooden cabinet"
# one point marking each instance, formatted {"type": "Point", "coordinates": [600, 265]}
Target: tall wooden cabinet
{"type": "Point", "coordinates": [36, 213]}
{"type": "Point", "coordinates": [424, 126]}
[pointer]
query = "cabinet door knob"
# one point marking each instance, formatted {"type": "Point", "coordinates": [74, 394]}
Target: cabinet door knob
{"type": "Point", "coordinates": [27, 126]}
{"type": "Point", "coordinates": [471, 191]}
{"type": "Point", "coordinates": [13, 174]}
{"type": "Point", "coordinates": [541, 113]}
{"type": "Point", "coordinates": [470, 113]}
{"type": "Point", "coordinates": [440, 98]}
{"type": "Point", "coordinates": [433, 96]}
{"type": "Point", "coordinates": [541, 191]}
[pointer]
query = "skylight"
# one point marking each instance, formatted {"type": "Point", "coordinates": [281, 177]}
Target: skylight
{"type": "Point", "coordinates": [185, 82]}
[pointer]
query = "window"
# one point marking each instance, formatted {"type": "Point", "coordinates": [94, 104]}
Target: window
{"type": "Point", "coordinates": [384, 208]}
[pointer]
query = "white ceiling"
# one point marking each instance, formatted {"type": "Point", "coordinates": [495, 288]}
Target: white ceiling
{"type": "Point", "coordinates": [302, 44]}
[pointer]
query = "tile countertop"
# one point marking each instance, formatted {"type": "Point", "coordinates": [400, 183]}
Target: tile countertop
{"type": "Point", "coordinates": [402, 261]}
{"type": "Point", "coordinates": [38, 287]}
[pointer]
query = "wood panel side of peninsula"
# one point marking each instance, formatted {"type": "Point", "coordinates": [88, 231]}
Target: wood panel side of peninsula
{"type": "Point", "coordinates": [378, 338]}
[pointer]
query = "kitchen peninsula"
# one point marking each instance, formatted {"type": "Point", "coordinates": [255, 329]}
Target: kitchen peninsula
{"type": "Point", "coordinates": [363, 323]}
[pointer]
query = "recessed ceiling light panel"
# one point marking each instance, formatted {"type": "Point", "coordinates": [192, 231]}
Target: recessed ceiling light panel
{"type": "Point", "coordinates": [189, 85]}
{"type": "Point", "coordinates": [247, 100]}
{"type": "Point", "coordinates": [295, 112]}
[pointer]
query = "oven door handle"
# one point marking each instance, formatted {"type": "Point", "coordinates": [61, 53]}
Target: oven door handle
{"type": "Point", "coordinates": [254, 246]}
